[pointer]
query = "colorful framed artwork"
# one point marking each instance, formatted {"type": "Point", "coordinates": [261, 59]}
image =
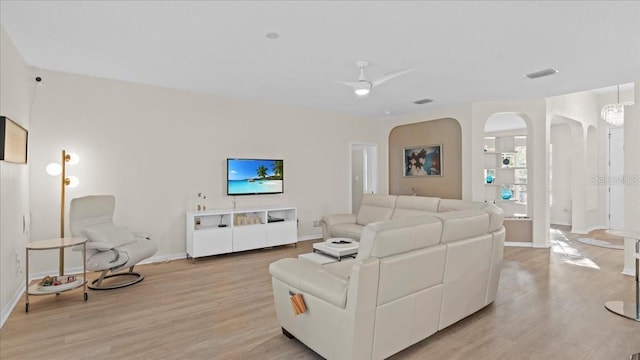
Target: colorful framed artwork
{"type": "Point", "coordinates": [422, 160]}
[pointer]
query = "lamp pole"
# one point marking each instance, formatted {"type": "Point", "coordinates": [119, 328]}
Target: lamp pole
{"type": "Point", "coordinates": [62, 190]}
{"type": "Point", "coordinates": [55, 169]}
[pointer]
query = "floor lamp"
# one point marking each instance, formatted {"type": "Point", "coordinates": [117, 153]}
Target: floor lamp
{"type": "Point", "coordinates": [56, 169]}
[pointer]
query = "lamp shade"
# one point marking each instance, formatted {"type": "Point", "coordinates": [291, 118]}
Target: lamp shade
{"type": "Point", "coordinates": [54, 169]}
{"type": "Point", "coordinates": [73, 158]}
{"type": "Point", "coordinates": [73, 181]}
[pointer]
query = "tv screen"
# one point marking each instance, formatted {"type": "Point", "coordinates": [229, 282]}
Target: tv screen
{"type": "Point", "coordinates": [254, 176]}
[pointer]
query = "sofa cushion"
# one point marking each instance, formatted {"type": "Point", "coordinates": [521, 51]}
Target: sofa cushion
{"type": "Point", "coordinates": [415, 205]}
{"type": "Point", "coordinates": [394, 282]}
{"type": "Point", "coordinates": [463, 224]}
{"type": "Point", "coordinates": [351, 231]}
{"type": "Point", "coordinates": [312, 279]}
{"type": "Point", "coordinates": [398, 236]}
{"type": "Point", "coordinates": [375, 208]}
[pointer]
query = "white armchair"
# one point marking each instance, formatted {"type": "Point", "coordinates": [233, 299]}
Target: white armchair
{"type": "Point", "coordinates": [110, 248]}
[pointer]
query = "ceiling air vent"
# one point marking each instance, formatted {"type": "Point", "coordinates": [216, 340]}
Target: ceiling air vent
{"type": "Point", "coordinates": [541, 73]}
{"type": "Point", "coordinates": [423, 101]}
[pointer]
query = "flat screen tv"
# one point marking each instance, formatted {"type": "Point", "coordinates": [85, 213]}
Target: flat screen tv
{"type": "Point", "coordinates": [254, 176]}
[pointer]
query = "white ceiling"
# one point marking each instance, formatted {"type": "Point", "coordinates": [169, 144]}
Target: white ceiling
{"type": "Point", "coordinates": [462, 51]}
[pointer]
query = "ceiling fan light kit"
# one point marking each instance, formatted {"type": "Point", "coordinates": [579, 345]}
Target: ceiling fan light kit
{"type": "Point", "coordinates": [362, 87]}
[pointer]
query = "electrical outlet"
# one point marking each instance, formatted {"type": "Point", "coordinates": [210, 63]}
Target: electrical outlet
{"type": "Point", "coordinates": [316, 223]}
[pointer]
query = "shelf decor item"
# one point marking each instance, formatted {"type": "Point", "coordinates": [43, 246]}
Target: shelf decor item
{"type": "Point", "coordinates": [506, 193]}
{"type": "Point", "coordinates": [489, 179]}
{"type": "Point", "coordinates": [201, 207]}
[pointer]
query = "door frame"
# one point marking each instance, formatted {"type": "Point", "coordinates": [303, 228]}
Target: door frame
{"type": "Point", "coordinates": [609, 176]}
{"type": "Point", "coordinates": [371, 166]}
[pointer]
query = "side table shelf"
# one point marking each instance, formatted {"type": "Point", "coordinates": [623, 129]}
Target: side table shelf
{"type": "Point", "coordinates": [59, 243]}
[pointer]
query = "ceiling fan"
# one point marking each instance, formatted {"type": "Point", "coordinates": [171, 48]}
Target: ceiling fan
{"type": "Point", "coordinates": [362, 87]}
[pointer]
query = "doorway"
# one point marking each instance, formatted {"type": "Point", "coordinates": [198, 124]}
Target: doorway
{"type": "Point", "coordinates": [615, 178]}
{"type": "Point", "coordinates": [363, 170]}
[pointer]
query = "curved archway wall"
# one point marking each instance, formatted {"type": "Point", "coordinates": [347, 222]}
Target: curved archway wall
{"type": "Point", "coordinates": [505, 127]}
{"type": "Point", "coordinates": [445, 131]}
{"type": "Point", "coordinates": [581, 112]}
{"type": "Point", "coordinates": [574, 196]}
{"type": "Point", "coordinates": [534, 113]}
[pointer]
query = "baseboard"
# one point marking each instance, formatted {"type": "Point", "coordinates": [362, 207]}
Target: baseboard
{"type": "Point", "coordinates": [13, 302]}
{"type": "Point", "coordinates": [163, 258]}
{"type": "Point", "coordinates": [517, 244]}
{"type": "Point", "coordinates": [587, 230]}
{"type": "Point", "coordinates": [310, 237]}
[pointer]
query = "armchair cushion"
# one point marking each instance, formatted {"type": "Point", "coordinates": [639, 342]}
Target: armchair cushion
{"type": "Point", "coordinates": [96, 245]}
{"type": "Point", "coordinates": [111, 234]}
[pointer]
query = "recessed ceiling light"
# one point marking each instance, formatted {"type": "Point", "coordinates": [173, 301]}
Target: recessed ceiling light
{"type": "Point", "coordinates": [542, 73]}
{"type": "Point", "coordinates": [423, 101]}
{"type": "Point", "coordinates": [272, 35]}
{"type": "Point", "coordinates": [387, 112]}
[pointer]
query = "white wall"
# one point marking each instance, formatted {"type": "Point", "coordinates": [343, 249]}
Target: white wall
{"type": "Point", "coordinates": [632, 174]}
{"type": "Point", "coordinates": [156, 148]}
{"type": "Point", "coordinates": [16, 89]}
{"type": "Point", "coordinates": [561, 174]}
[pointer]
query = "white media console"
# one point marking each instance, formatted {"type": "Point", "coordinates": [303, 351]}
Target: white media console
{"type": "Point", "coordinates": [213, 232]}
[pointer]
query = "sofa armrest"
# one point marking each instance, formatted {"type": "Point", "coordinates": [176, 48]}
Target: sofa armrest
{"type": "Point", "coordinates": [330, 220]}
{"type": "Point", "coordinates": [312, 279]}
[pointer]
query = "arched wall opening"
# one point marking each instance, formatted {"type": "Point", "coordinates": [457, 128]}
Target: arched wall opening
{"type": "Point", "coordinates": [506, 162]}
{"type": "Point", "coordinates": [574, 166]}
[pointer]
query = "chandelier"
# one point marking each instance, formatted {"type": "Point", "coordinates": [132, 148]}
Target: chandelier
{"type": "Point", "coordinates": [614, 113]}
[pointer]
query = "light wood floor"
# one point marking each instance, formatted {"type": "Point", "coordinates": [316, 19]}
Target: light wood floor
{"type": "Point", "coordinates": [549, 306]}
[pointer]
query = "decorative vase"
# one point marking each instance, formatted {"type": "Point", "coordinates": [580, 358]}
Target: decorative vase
{"type": "Point", "coordinates": [489, 179]}
{"type": "Point", "coordinates": [506, 193]}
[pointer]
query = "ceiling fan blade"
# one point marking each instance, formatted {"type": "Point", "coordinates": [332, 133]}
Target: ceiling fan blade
{"type": "Point", "coordinates": [348, 83]}
{"type": "Point", "coordinates": [390, 76]}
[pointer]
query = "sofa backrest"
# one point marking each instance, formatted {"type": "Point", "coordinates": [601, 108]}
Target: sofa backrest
{"type": "Point", "coordinates": [415, 205]}
{"type": "Point", "coordinates": [375, 207]}
{"type": "Point", "coordinates": [447, 205]}
{"type": "Point", "coordinates": [496, 214]}
{"type": "Point", "coordinates": [398, 236]}
{"type": "Point", "coordinates": [463, 224]}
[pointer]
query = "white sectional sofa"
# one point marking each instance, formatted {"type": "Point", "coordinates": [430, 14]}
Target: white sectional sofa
{"type": "Point", "coordinates": [376, 208]}
{"type": "Point", "coordinates": [413, 276]}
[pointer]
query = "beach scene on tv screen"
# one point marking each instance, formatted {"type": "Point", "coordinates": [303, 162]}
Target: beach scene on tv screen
{"type": "Point", "coordinates": [254, 176]}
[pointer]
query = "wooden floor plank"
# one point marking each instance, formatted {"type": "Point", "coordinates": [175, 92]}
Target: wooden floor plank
{"type": "Point", "coordinates": [549, 306]}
